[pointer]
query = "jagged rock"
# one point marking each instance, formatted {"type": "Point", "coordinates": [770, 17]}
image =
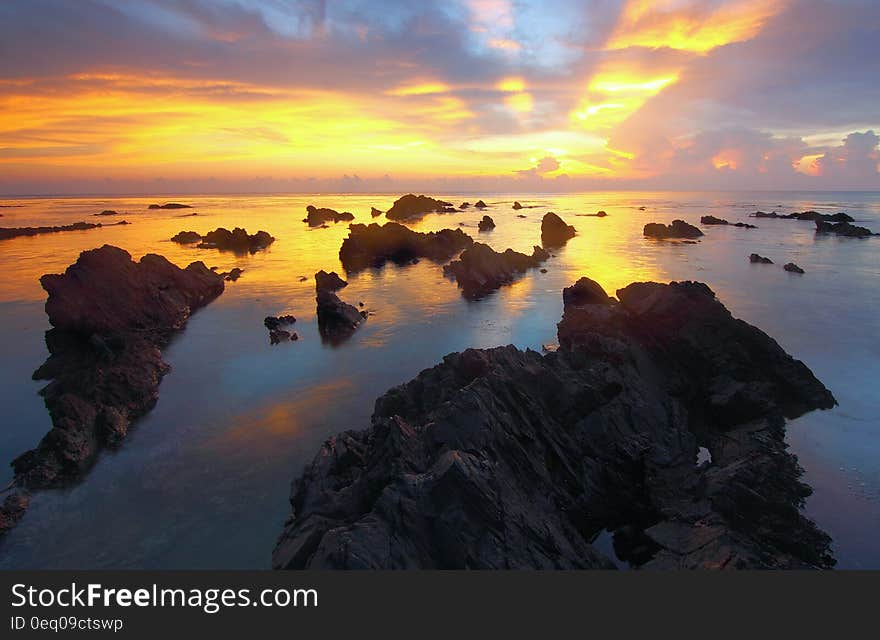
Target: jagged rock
{"type": "Point", "coordinates": [480, 204]}
{"type": "Point", "coordinates": [12, 509]}
{"type": "Point", "coordinates": [330, 281]}
{"type": "Point", "coordinates": [554, 231]}
{"type": "Point", "coordinates": [793, 268]}
{"type": "Point", "coordinates": [517, 206]}
{"type": "Point", "coordinates": [486, 224]}
{"type": "Point", "coordinates": [236, 240]}
{"type": "Point", "coordinates": [464, 205]}
{"type": "Point", "coordinates": [187, 237]}
{"type": "Point", "coordinates": [678, 229]}
{"type": "Point", "coordinates": [170, 205]}
{"type": "Point", "coordinates": [111, 317]}
{"type": "Point", "coordinates": [481, 270]}
{"type": "Point", "coordinates": [273, 323]}
{"type": "Point", "coordinates": [318, 217]}
{"type": "Point", "coordinates": [585, 291]}
{"type": "Point", "coordinates": [337, 320]}
{"type": "Point", "coordinates": [374, 212]}
{"type": "Point", "coordinates": [504, 459]}
{"type": "Point", "coordinates": [373, 245]}
{"type": "Point", "coordinates": [521, 216]}
{"type": "Point", "coordinates": [756, 259]}
{"type": "Point", "coordinates": [411, 206]}
{"type": "Point", "coordinates": [232, 275]}
{"type": "Point", "coordinates": [7, 233]}
{"type": "Point", "coordinates": [843, 229]}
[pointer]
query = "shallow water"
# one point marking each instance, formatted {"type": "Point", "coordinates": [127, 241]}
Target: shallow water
{"type": "Point", "coordinates": [203, 480]}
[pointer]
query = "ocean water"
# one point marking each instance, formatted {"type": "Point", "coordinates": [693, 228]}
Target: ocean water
{"type": "Point", "coordinates": [203, 480]}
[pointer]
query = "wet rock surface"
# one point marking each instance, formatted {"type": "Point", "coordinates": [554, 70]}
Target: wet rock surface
{"type": "Point", "coordinates": [793, 268]}
{"type": "Point", "coordinates": [678, 229]}
{"type": "Point", "coordinates": [843, 229]}
{"type": "Point", "coordinates": [374, 245]}
{"type": "Point", "coordinates": [410, 207]}
{"type": "Point", "coordinates": [238, 240]}
{"type": "Point", "coordinates": [554, 231]}
{"type": "Point", "coordinates": [486, 224]}
{"type": "Point", "coordinates": [316, 217]}
{"type": "Point", "coordinates": [757, 259]}
{"type": "Point", "coordinates": [337, 320]}
{"type": "Point", "coordinates": [278, 335]}
{"type": "Point", "coordinates": [480, 269]}
{"type": "Point", "coordinates": [111, 317]}
{"type": "Point", "coordinates": [330, 281]}
{"type": "Point", "coordinates": [507, 459]}
{"type": "Point", "coordinates": [7, 233]}
{"type": "Point", "coordinates": [712, 220]}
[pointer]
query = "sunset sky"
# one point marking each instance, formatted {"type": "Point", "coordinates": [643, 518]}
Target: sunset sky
{"type": "Point", "coordinates": [138, 96]}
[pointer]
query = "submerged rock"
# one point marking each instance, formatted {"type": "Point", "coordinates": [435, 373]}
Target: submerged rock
{"type": "Point", "coordinates": [843, 229]}
{"type": "Point", "coordinates": [504, 459]}
{"type": "Point", "coordinates": [317, 217]}
{"type": "Point", "coordinates": [678, 229]}
{"type": "Point", "coordinates": [170, 205]}
{"type": "Point", "coordinates": [756, 259]}
{"type": "Point", "coordinates": [7, 233]}
{"type": "Point", "coordinates": [111, 317]}
{"type": "Point", "coordinates": [236, 240]}
{"type": "Point", "coordinates": [412, 206]}
{"type": "Point", "coordinates": [793, 268]}
{"type": "Point", "coordinates": [486, 224]}
{"type": "Point", "coordinates": [481, 270]}
{"type": "Point", "coordinates": [330, 281]}
{"type": "Point", "coordinates": [373, 245]}
{"type": "Point", "coordinates": [554, 231]}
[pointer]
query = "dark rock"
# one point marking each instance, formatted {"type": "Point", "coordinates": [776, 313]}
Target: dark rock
{"type": "Point", "coordinates": [187, 237]}
{"type": "Point", "coordinates": [481, 205]}
{"type": "Point", "coordinates": [710, 220]}
{"type": "Point", "coordinates": [12, 509]}
{"type": "Point", "coordinates": [337, 320]}
{"type": "Point", "coordinates": [554, 231]}
{"type": "Point", "coordinates": [107, 212]}
{"type": "Point", "coordinates": [811, 216]}
{"type": "Point", "coordinates": [481, 270]}
{"type": "Point", "coordinates": [373, 245]}
{"type": "Point", "coordinates": [232, 275]}
{"type": "Point", "coordinates": [464, 205]}
{"type": "Point", "coordinates": [374, 212]}
{"type": "Point", "coordinates": [486, 224]}
{"type": "Point", "coordinates": [585, 291]}
{"type": "Point", "coordinates": [329, 281]}
{"type": "Point", "coordinates": [793, 268]}
{"type": "Point", "coordinates": [272, 322]}
{"type": "Point", "coordinates": [678, 229]}
{"type": "Point", "coordinates": [236, 240]}
{"type": "Point", "coordinates": [111, 317]}
{"type": "Point", "coordinates": [170, 205]}
{"type": "Point", "coordinates": [843, 229]}
{"type": "Point", "coordinates": [601, 214]}
{"type": "Point", "coordinates": [756, 259]}
{"type": "Point", "coordinates": [517, 206]}
{"type": "Point", "coordinates": [303, 279]}
{"type": "Point", "coordinates": [542, 270]}
{"type": "Point", "coordinates": [277, 336]}
{"type": "Point", "coordinates": [411, 206]}
{"type": "Point", "coordinates": [643, 208]}
{"type": "Point", "coordinates": [503, 459]}
{"type": "Point", "coordinates": [318, 217]}
{"type": "Point", "coordinates": [7, 233]}
{"type": "Point", "coordinates": [521, 216]}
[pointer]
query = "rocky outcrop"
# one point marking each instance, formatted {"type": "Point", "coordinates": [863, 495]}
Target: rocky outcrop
{"type": "Point", "coordinates": [316, 217]}
{"type": "Point", "coordinates": [464, 205]}
{"type": "Point", "coordinates": [678, 229]}
{"type": "Point", "coordinates": [411, 206]}
{"type": "Point", "coordinates": [237, 240]}
{"type": "Point", "coordinates": [486, 224]}
{"type": "Point", "coordinates": [106, 212]}
{"type": "Point", "coordinates": [517, 206]}
{"type": "Point", "coordinates": [111, 317]}
{"type": "Point", "coordinates": [509, 459]}
{"type": "Point", "coordinates": [374, 212]}
{"type": "Point", "coordinates": [374, 245]}
{"type": "Point", "coordinates": [712, 220]}
{"type": "Point", "coordinates": [170, 205]}
{"type": "Point", "coordinates": [278, 335]}
{"type": "Point", "coordinates": [330, 281]}
{"type": "Point", "coordinates": [337, 320]}
{"type": "Point", "coordinates": [13, 508]}
{"type": "Point", "coordinates": [793, 268]}
{"type": "Point", "coordinates": [7, 233]}
{"type": "Point", "coordinates": [757, 259]}
{"type": "Point", "coordinates": [554, 231]}
{"type": "Point", "coordinates": [843, 229]}
{"type": "Point", "coordinates": [480, 270]}
{"type": "Point", "coordinates": [480, 204]}
{"type": "Point", "coordinates": [811, 216]}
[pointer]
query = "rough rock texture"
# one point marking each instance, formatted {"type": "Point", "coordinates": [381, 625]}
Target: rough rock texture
{"type": "Point", "coordinates": [316, 217]}
{"type": "Point", "coordinates": [411, 206]}
{"type": "Point", "coordinates": [712, 220]}
{"type": "Point", "coordinates": [236, 240]}
{"type": "Point", "coordinates": [170, 205]}
{"type": "Point", "coordinates": [276, 333]}
{"type": "Point", "coordinates": [843, 229]}
{"type": "Point", "coordinates": [12, 509]}
{"type": "Point", "coordinates": [480, 269]}
{"type": "Point", "coordinates": [554, 231]}
{"type": "Point", "coordinates": [793, 268]}
{"type": "Point", "coordinates": [678, 229]}
{"type": "Point", "coordinates": [337, 320]}
{"type": "Point", "coordinates": [373, 245]}
{"type": "Point", "coordinates": [110, 317]}
{"type": "Point", "coordinates": [757, 259]}
{"type": "Point", "coordinates": [486, 224]}
{"type": "Point", "coordinates": [504, 459]}
{"type": "Point", "coordinates": [330, 281]}
{"type": "Point", "coordinates": [7, 233]}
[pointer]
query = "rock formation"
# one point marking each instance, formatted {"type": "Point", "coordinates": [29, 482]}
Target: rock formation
{"type": "Point", "coordinates": [504, 459]}
{"type": "Point", "coordinates": [106, 212]}
{"type": "Point", "coordinates": [712, 220]}
{"type": "Point", "coordinates": [337, 320]}
{"type": "Point", "coordinates": [410, 206]}
{"type": "Point", "coordinates": [793, 268]}
{"type": "Point", "coordinates": [330, 281]}
{"type": "Point", "coordinates": [170, 205]}
{"type": "Point", "coordinates": [7, 233]}
{"type": "Point", "coordinates": [554, 231]}
{"type": "Point", "coordinates": [517, 206]}
{"type": "Point", "coordinates": [373, 245]}
{"type": "Point", "coordinates": [756, 259]}
{"type": "Point", "coordinates": [481, 270]}
{"type": "Point", "coordinates": [374, 212]}
{"type": "Point", "coordinates": [486, 224]}
{"type": "Point", "coordinates": [811, 216]}
{"type": "Point", "coordinates": [276, 333]}
{"type": "Point", "coordinates": [678, 229]}
{"type": "Point", "coordinates": [480, 204]}
{"type": "Point", "coordinates": [316, 217]}
{"type": "Point", "coordinates": [223, 239]}
{"type": "Point", "coordinates": [843, 229]}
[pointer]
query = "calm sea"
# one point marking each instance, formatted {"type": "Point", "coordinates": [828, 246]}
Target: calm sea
{"type": "Point", "coordinates": [203, 480]}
